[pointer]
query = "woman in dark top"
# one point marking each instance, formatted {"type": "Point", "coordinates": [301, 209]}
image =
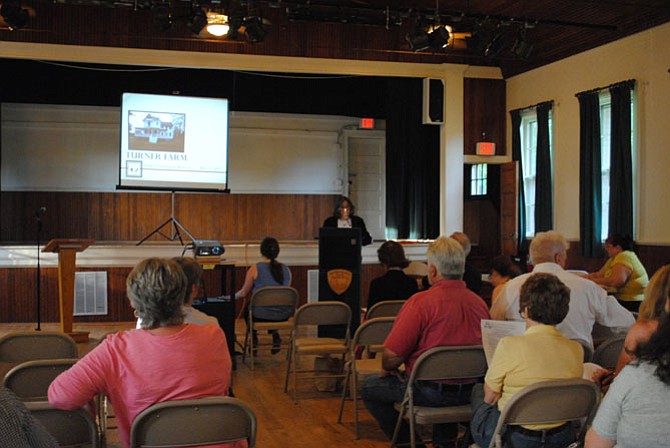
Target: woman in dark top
{"type": "Point", "coordinates": [394, 284]}
{"type": "Point", "coordinates": [343, 217]}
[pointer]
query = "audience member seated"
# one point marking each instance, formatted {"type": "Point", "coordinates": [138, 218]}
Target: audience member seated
{"type": "Point", "coordinates": [394, 284]}
{"type": "Point", "coordinates": [622, 271]}
{"type": "Point", "coordinates": [193, 272]}
{"type": "Point", "coordinates": [588, 302]}
{"type": "Point", "coordinates": [471, 276]}
{"type": "Point", "coordinates": [540, 354]}
{"type": "Point", "coordinates": [344, 217]}
{"type": "Point", "coordinates": [18, 428]}
{"type": "Point", "coordinates": [166, 359]}
{"type": "Point", "coordinates": [503, 269]}
{"type": "Point", "coordinates": [446, 314]}
{"type": "Point", "coordinates": [652, 310]}
{"type": "Point", "coordinates": [268, 272]}
{"type": "Point", "coordinates": [634, 413]}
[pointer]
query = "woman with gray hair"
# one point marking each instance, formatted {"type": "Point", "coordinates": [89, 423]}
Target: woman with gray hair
{"type": "Point", "coordinates": [166, 359]}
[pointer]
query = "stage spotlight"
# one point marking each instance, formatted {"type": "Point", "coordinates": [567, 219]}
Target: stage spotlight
{"type": "Point", "coordinates": [479, 40]}
{"type": "Point", "coordinates": [495, 46]}
{"type": "Point", "coordinates": [161, 17]}
{"type": "Point", "coordinates": [197, 20]}
{"type": "Point", "coordinates": [15, 17]}
{"type": "Point", "coordinates": [254, 29]}
{"type": "Point", "coordinates": [522, 48]}
{"type": "Point", "coordinates": [418, 40]}
{"type": "Point", "coordinates": [439, 37]}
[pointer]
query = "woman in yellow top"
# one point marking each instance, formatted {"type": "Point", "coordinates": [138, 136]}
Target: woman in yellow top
{"type": "Point", "coordinates": [623, 271]}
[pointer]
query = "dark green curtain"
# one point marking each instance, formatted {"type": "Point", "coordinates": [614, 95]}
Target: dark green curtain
{"type": "Point", "coordinates": [412, 164]}
{"type": "Point", "coordinates": [544, 209]}
{"type": "Point", "coordinates": [590, 178]}
{"type": "Point", "coordinates": [521, 196]}
{"type": "Point", "coordinates": [621, 164]}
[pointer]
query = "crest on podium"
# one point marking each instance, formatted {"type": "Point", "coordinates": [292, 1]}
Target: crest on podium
{"type": "Point", "coordinates": [339, 280]}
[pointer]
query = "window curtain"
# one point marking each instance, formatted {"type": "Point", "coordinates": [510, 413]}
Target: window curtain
{"type": "Point", "coordinates": [621, 164]}
{"type": "Point", "coordinates": [590, 187]}
{"type": "Point", "coordinates": [544, 210]}
{"type": "Point", "coordinates": [521, 196]}
{"type": "Point", "coordinates": [412, 164]}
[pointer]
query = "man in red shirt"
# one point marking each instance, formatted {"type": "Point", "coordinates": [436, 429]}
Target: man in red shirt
{"type": "Point", "coordinates": [446, 314]}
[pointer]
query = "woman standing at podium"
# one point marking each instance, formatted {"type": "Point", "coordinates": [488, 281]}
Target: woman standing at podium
{"type": "Point", "coordinates": [344, 217]}
{"type": "Point", "coordinates": [268, 272]}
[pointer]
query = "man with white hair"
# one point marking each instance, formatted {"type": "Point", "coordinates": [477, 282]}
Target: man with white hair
{"type": "Point", "coordinates": [446, 314]}
{"type": "Point", "coordinates": [589, 302]}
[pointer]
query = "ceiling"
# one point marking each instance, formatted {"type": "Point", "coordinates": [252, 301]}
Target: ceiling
{"type": "Point", "coordinates": [358, 29]}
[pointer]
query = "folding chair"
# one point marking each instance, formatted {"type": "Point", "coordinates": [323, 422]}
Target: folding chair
{"type": "Point", "coordinates": [439, 363]}
{"type": "Point", "coordinates": [371, 332]}
{"type": "Point", "coordinates": [269, 296]}
{"type": "Point", "coordinates": [29, 346]}
{"type": "Point", "coordinates": [316, 314]}
{"type": "Point", "coordinates": [197, 422]}
{"type": "Point", "coordinates": [30, 380]}
{"type": "Point", "coordinates": [549, 402]}
{"type": "Point", "coordinates": [386, 308]}
{"type": "Point", "coordinates": [607, 354]}
{"type": "Point", "coordinates": [75, 428]}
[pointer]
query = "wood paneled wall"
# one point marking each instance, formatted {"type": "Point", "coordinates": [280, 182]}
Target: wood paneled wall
{"type": "Point", "coordinates": [652, 257]}
{"type": "Point", "coordinates": [131, 216]}
{"type": "Point", "coordinates": [19, 298]}
{"type": "Point", "coordinates": [484, 105]}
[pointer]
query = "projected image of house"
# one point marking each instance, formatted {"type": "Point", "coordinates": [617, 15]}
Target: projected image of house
{"type": "Point", "coordinates": [156, 131]}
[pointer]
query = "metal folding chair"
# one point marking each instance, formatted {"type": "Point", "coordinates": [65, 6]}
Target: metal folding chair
{"type": "Point", "coordinates": [29, 346]}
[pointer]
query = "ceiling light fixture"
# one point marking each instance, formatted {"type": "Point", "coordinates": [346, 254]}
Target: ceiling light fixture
{"type": "Point", "coordinates": [217, 24]}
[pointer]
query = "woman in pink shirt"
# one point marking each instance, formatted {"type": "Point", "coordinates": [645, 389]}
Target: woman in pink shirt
{"type": "Point", "coordinates": [164, 360]}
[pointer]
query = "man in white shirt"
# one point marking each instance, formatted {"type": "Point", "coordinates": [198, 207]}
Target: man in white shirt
{"type": "Point", "coordinates": [589, 302]}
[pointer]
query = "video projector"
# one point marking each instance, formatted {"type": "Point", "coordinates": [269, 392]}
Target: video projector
{"type": "Point", "coordinates": [207, 248]}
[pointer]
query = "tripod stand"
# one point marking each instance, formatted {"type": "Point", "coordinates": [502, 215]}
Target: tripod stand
{"type": "Point", "coordinates": [175, 229]}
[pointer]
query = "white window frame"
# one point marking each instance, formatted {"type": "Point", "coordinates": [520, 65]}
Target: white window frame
{"type": "Point", "coordinates": [479, 180]}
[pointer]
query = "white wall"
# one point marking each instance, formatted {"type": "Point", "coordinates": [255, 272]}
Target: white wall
{"type": "Point", "coordinates": [76, 148]}
{"type": "Point", "coordinates": [644, 57]}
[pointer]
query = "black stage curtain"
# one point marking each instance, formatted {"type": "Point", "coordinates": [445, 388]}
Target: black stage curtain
{"type": "Point", "coordinates": [590, 183]}
{"type": "Point", "coordinates": [621, 164]}
{"type": "Point", "coordinates": [412, 164]}
{"type": "Point", "coordinates": [544, 204]}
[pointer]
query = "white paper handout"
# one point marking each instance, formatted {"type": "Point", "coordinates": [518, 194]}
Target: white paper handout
{"type": "Point", "coordinates": [494, 330]}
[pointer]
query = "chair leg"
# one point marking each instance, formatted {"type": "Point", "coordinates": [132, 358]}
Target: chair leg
{"type": "Point", "coordinates": [344, 394]}
{"type": "Point", "coordinates": [354, 393]}
{"type": "Point", "coordinates": [289, 360]}
{"type": "Point", "coordinates": [396, 431]}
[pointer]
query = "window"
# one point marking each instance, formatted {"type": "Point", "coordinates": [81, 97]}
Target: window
{"type": "Point", "coordinates": [478, 179]}
{"type": "Point", "coordinates": [529, 163]}
{"type": "Point", "coordinates": [605, 153]}
{"type": "Point", "coordinates": [528, 157]}
{"type": "Point", "coordinates": [605, 132]}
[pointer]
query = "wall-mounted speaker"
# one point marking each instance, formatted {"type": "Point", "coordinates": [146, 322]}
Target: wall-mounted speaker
{"type": "Point", "coordinates": [433, 101]}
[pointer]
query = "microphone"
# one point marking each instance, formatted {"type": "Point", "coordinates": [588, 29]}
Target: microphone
{"type": "Point", "coordinates": [40, 212]}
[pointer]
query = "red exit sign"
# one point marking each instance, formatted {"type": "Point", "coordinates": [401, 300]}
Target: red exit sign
{"type": "Point", "coordinates": [367, 123]}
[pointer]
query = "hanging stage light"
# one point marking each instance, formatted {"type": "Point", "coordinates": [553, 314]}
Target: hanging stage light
{"type": "Point", "coordinates": [14, 15]}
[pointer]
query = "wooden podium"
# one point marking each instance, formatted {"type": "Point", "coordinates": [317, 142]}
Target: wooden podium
{"type": "Point", "coordinates": [67, 254]}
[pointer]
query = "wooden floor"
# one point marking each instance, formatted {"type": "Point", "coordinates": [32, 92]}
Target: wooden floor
{"type": "Point", "coordinates": [281, 423]}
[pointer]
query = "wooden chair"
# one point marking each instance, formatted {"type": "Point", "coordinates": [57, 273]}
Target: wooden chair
{"type": "Point", "coordinates": [19, 347]}
{"type": "Point", "coordinates": [549, 402]}
{"type": "Point", "coordinates": [269, 296]}
{"type": "Point", "coordinates": [371, 332]}
{"type": "Point", "coordinates": [607, 353]}
{"type": "Point", "coordinates": [75, 428]}
{"type": "Point", "coordinates": [436, 364]}
{"type": "Point", "coordinates": [30, 380]}
{"type": "Point", "coordinates": [197, 422]}
{"type": "Point", "coordinates": [316, 314]}
{"type": "Point", "coordinates": [386, 308]}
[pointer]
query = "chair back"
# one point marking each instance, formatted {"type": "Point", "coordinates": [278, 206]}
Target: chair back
{"type": "Point", "coordinates": [30, 380]}
{"type": "Point", "coordinates": [28, 346]}
{"type": "Point", "coordinates": [373, 331]}
{"type": "Point", "coordinates": [324, 313]}
{"type": "Point", "coordinates": [75, 428]}
{"type": "Point", "coordinates": [197, 422]}
{"type": "Point", "coordinates": [275, 296]}
{"type": "Point", "coordinates": [548, 402]}
{"type": "Point", "coordinates": [443, 363]}
{"type": "Point", "coordinates": [607, 353]}
{"type": "Point", "coordinates": [386, 308]}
